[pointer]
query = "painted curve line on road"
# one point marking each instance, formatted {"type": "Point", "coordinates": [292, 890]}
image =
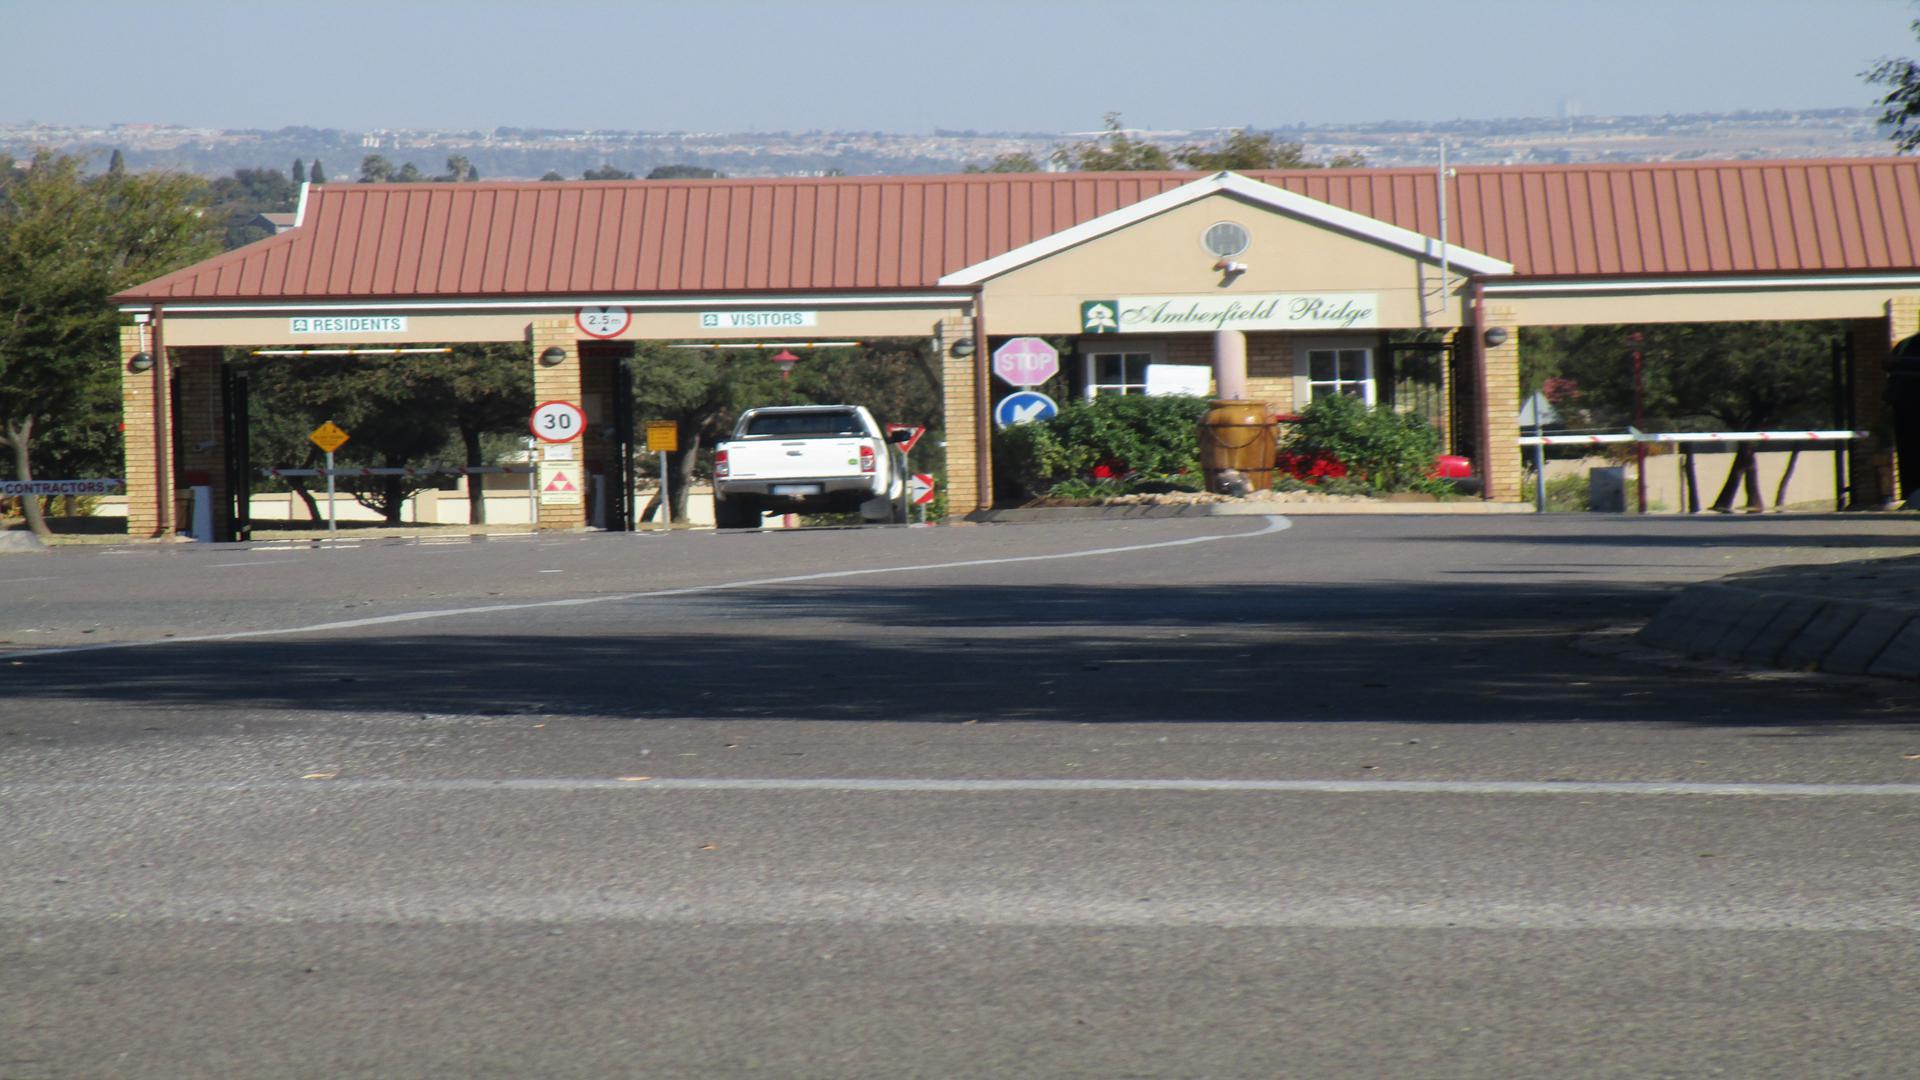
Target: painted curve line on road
{"type": "Point", "coordinates": [1275, 523]}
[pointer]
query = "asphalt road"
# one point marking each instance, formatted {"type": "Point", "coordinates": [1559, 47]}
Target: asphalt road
{"type": "Point", "coordinates": [1192, 798]}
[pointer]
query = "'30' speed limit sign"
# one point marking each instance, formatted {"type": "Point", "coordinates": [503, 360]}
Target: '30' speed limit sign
{"type": "Point", "coordinates": [557, 421]}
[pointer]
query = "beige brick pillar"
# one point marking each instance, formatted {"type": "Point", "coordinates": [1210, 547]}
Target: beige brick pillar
{"type": "Point", "coordinates": [1499, 403]}
{"type": "Point", "coordinates": [201, 444]}
{"type": "Point", "coordinates": [1270, 372]}
{"type": "Point", "coordinates": [966, 488]}
{"type": "Point", "coordinates": [148, 438]}
{"type": "Point", "coordinates": [1870, 463]}
{"type": "Point", "coordinates": [560, 382]}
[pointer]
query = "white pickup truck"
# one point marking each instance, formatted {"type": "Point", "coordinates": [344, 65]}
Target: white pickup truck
{"type": "Point", "coordinates": [807, 459]}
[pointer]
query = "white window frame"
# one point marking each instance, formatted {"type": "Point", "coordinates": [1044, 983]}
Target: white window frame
{"type": "Point", "coordinates": [1153, 352]}
{"type": "Point", "coordinates": [1304, 383]}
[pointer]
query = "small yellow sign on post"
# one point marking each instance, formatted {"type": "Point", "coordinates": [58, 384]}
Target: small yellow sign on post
{"type": "Point", "coordinates": [663, 436]}
{"type": "Point", "coordinates": [329, 437]}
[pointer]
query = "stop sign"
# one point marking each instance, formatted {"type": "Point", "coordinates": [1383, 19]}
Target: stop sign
{"type": "Point", "coordinates": [1026, 361]}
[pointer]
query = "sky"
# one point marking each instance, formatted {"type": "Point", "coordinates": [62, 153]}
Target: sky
{"type": "Point", "coordinates": [906, 66]}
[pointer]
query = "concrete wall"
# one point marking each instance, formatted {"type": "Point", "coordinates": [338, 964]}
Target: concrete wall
{"type": "Point", "coordinates": [1811, 487]}
{"type": "Point", "coordinates": [505, 506]}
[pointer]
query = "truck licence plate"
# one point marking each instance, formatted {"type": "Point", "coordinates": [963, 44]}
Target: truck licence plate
{"type": "Point", "coordinates": [796, 489]}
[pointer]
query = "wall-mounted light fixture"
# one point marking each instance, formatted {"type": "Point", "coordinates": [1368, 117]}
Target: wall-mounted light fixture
{"type": "Point", "coordinates": [142, 360]}
{"type": "Point", "coordinates": [1496, 337]}
{"type": "Point", "coordinates": [962, 348]}
{"type": "Point", "coordinates": [553, 357]}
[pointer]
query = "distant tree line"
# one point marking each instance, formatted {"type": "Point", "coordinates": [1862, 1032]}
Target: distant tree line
{"type": "Point", "coordinates": [1118, 151]}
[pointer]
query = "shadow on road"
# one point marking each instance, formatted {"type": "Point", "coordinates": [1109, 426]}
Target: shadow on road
{"type": "Point", "coordinates": [1473, 652]}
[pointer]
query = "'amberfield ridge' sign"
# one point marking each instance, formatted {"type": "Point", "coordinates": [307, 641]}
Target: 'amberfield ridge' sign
{"type": "Point", "coordinates": [1261, 311]}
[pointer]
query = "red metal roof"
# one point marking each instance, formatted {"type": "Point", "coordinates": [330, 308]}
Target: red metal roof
{"type": "Point", "coordinates": [595, 238]}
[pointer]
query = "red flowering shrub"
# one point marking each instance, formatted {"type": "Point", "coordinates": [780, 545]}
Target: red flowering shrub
{"type": "Point", "coordinates": [1310, 468]}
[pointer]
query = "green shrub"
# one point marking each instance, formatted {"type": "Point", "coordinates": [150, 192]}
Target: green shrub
{"type": "Point", "coordinates": [1386, 450]}
{"type": "Point", "coordinates": [1567, 493]}
{"type": "Point", "coordinates": [1076, 488]}
{"type": "Point", "coordinates": [1109, 437]}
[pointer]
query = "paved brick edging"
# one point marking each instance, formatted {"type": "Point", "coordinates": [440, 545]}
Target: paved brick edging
{"type": "Point", "coordinates": [1238, 509]}
{"type": "Point", "coordinates": [1790, 630]}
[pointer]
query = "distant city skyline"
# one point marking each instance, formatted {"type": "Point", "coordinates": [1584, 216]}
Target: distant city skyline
{"type": "Point", "coordinates": [898, 66]}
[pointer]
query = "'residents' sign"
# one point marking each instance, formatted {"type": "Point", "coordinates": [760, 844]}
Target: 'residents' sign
{"type": "Point", "coordinates": [347, 324]}
{"type": "Point", "coordinates": [1265, 311]}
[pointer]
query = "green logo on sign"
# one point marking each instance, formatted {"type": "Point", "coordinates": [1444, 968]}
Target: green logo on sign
{"type": "Point", "coordinates": [1099, 317]}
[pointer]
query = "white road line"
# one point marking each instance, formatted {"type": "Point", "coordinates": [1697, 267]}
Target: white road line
{"type": "Point", "coordinates": [975, 787]}
{"type": "Point", "coordinates": [1275, 523]}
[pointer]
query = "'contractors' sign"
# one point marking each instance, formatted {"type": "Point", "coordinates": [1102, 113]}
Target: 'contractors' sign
{"type": "Point", "coordinates": [347, 324]}
{"type": "Point", "coordinates": [58, 487]}
{"type": "Point", "coordinates": [1268, 311]}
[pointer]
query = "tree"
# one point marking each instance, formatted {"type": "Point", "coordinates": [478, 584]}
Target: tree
{"type": "Point", "coordinates": [238, 200]}
{"type": "Point", "coordinates": [1018, 161]}
{"type": "Point", "coordinates": [459, 171]}
{"type": "Point", "coordinates": [703, 392]}
{"type": "Point", "coordinates": [1694, 377]}
{"type": "Point", "coordinates": [409, 174]}
{"type": "Point", "coordinates": [400, 411]}
{"type": "Point", "coordinates": [394, 408]}
{"type": "Point", "coordinates": [299, 172]}
{"type": "Point", "coordinates": [606, 172]}
{"type": "Point", "coordinates": [1114, 151]}
{"type": "Point", "coordinates": [318, 175]}
{"type": "Point", "coordinates": [1247, 149]}
{"type": "Point", "coordinates": [117, 164]}
{"type": "Point", "coordinates": [1900, 107]}
{"type": "Point", "coordinates": [67, 243]}
{"type": "Point", "coordinates": [491, 392]}
{"type": "Point", "coordinates": [685, 172]}
{"type": "Point", "coordinates": [553, 175]}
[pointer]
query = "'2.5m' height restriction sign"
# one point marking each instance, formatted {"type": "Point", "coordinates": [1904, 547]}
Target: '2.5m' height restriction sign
{"type": "Point", "coordinates": [606, 321]}
{"type": "Point", "coordinates": [557, 421]}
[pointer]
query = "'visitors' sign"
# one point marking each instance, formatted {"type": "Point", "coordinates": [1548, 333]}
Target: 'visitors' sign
{"type": "Point", "coordinates": [758, 320]}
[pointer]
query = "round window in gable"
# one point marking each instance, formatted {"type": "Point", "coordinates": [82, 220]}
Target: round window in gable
{"type": "Point", "coordinates": [1226, 239]}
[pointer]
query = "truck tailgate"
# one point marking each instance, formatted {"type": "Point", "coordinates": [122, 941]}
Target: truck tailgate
{"type": "Point", "coordinates": [780, 459]}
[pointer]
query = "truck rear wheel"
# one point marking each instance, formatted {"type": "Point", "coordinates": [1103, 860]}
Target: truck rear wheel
{"type": "Point", "coordinates": [735, 513]}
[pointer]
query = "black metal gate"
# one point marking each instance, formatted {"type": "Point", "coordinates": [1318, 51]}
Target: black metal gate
{"type": "Point", "coordinates": [622, 509]}
{"type": "Point", "coordinates": [234, 391]}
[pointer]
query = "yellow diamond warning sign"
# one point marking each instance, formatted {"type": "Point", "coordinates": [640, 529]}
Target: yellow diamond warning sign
{"type": "Point", "coordinates": [560, 483]}
{"type": "Point", "coordinates": [328, 437]}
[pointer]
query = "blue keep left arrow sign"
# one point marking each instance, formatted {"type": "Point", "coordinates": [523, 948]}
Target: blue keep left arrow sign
{"type": "Point", "coordinates": [1024, 407]}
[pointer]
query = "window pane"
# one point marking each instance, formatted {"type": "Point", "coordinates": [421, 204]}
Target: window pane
{"type": "Point", "coordinates": [1353, 390]}
{"type": "Point", "coordinates": [1321, 391]}
{"type": "Point", "coordinates": [1353, 364]}
{"type": "Point", "coordinates": [1320, 367]}
{"type": "Point", "coordinates": [1109, 368]}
